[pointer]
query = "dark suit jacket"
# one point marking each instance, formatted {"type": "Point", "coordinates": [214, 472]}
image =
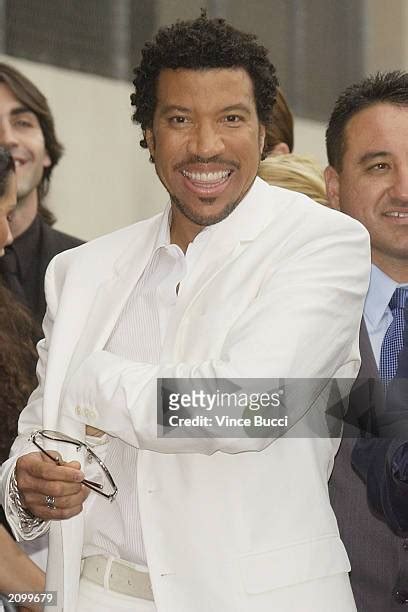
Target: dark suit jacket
{"type": "Point", "coordinates": [377, 555]}
{"type": "Point", "coordinates": [52, 243]}
{"type": "Point", "coordinates": [34, 250]}
{"type": "Point", "coordinates": [382, 462]}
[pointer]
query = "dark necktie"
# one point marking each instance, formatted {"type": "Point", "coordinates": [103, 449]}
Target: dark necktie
{"type": "Point", "coordinates": [9, 273]}
{"type": "Point", "coordinates": [393, 339]}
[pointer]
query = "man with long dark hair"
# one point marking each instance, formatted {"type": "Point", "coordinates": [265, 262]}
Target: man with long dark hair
{"type": "Point", "coordinates": [27, 130]}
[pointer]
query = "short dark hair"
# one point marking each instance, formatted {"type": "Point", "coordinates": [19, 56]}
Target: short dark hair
{"type": "Point", "coordinates": [202, 44]}
{"type": "Point", "coordinates": [383, 87]}
{"type": "Point", "coordinates": [30, 96]}
{"type": "Point", "coordinates": [6, 168]}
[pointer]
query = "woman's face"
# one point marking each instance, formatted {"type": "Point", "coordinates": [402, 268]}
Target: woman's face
{"type": "Point", "coordinates": [7, 206]}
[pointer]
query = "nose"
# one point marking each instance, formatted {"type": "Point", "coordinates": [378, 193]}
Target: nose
{"type": "Point", "coordinates": [399, 187]}
{"type": "Point", "coordinates": [205, 141]}
{"type": "Point", "coordinates": [7, 134]}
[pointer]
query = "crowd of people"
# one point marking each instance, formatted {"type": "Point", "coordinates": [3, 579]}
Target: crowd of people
{"type": "Point", "coordinates": [259, 270]}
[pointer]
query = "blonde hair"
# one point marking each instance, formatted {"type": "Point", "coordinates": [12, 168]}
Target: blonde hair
{"type": "Point", "coordinates": [297, 173]}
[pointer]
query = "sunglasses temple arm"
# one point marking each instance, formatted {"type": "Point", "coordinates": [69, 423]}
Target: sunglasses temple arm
{"type": "Point", "coordinates": [88, 483]}
{"type": "Point", "coordinates": [91, 485]}
{"type": "Point", "coordinates": [56, 460]}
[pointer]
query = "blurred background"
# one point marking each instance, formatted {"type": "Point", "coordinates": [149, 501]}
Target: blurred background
{"type": "Point", "coordinates": [81, 53]}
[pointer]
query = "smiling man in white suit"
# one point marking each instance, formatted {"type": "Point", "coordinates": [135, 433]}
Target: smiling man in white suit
{"type": "Point", "coordinates": [236, 279]}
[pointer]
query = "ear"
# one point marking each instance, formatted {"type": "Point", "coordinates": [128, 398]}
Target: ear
{"type": "Point", "coordinates": [262, 133]}
{"type": "Point", "coordinates": [148, 134]}
{"type": "Point", "coordinates": [331, 178]}
{"type": "Point", "coordinates": [279, 149]}
{"type": "Point", "coordinates": [46, 160]}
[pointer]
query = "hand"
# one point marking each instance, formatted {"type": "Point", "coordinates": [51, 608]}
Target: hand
{"type": "Point", "coordinates": [38, 476]}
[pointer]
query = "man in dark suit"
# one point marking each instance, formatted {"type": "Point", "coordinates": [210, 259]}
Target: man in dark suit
{"type": "Point", "coordinates": [27, 130]}
{"type": "Point", "coordinates": [367, 145]}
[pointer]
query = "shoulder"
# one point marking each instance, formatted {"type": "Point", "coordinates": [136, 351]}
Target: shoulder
{"type": "Point", "coordinates": [299, 216]}
{"type": "Point", "coordinates": [55, 241]}
{"type": "Point", "coordinates": [102, 251]}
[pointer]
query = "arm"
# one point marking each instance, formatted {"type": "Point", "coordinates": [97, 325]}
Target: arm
{"type": "Point", "coordinates": [17, 572]}
{"type": "Point", "coordinates": [36, 475]}
{"type": "Point", "coordinates": [382, 461]}
{"type": "Point", "coordinates": [302, 323]}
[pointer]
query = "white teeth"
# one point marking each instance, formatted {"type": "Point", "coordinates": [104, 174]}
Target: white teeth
{"type": "Point", "coordinates": [206, 177]}
{"type": "Point", "coordinates": [17, 163]}
{"type": "Point", "coordinates": [397, 214]}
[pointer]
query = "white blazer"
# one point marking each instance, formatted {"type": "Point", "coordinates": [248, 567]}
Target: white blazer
{"type": "Point", "coordinates": [229, 525]}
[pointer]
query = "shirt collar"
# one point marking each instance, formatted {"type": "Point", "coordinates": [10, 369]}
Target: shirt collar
{"type": "Point", "coordinates": [379, 295]}
{"type": "Point", "coordinates": [163, 234]}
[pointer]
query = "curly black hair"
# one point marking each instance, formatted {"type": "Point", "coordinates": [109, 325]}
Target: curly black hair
{"type": "Point", "coordinates": [383, 87]}
{"type": "Point", "coordinates": [200, 44]}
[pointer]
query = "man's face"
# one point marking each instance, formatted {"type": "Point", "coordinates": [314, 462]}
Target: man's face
{"type": "Point", "coordinates": [21, 134]}
{"type": "Point", "coordinates": [372, 185]}
{"type": "Point", "coordinates": [206, 140]}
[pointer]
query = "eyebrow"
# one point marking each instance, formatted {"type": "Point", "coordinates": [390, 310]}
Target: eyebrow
{"type": "Point", "coordinates": [370, 155]}
{"type": "Point", "coordinates": [240, 106]}
{"type": "Point", "coordinates": [172, 108]}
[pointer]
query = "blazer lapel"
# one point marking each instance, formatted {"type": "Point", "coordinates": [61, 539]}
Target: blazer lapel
{"type": "Point", "coordinates": [366, 396]}
{"type": "Point", "coordinates": [369, 367]}
{"type": "Point", "coordinates": [110, 298]}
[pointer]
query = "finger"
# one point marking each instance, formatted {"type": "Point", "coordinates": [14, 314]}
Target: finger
{"type": "Point", "coordinates": [35, 466]}
{"type": "Point", "coordinates": [51, 514]}
{"type": "Point", "coordinates": [74, 464]}
{"type": "Point", "coordinates": [66, 502]}
{"type": "Point", "coordinates": [58, 508]}
{"type": "Point", "coordinates": [46, 470]}
{"type": "Point", "coordinates": [57, 459]}
{"type": "Point", "coordinates": [55, 488]}
{"type": "Point", "coordinates": [52, 456]}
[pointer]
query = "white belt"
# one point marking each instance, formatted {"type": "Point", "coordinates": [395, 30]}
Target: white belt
{"type": "Point", "coordinates": [118, 575]}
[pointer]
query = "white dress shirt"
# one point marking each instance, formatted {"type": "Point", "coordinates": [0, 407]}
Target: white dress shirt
{"type": "Point", "coordinates": [377, 314]}
{"type": "Point", "coordinates": [115, 528]}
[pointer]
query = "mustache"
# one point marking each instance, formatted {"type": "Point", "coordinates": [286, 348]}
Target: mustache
{"type": "Point", "coordinates": [216, 159]}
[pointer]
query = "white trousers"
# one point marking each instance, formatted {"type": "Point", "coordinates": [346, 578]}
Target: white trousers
{"type": "Point", "coordinates": [94, 597]}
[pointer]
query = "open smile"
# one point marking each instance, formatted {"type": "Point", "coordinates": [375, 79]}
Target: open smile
{"type": "Point", "coordinates": [397, 216]}
{"type": "Point", "coordinates": [207, 183]}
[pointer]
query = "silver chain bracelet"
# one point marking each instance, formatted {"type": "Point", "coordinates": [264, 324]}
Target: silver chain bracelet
{"type": "Point", "coordinates": [27, 521]}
